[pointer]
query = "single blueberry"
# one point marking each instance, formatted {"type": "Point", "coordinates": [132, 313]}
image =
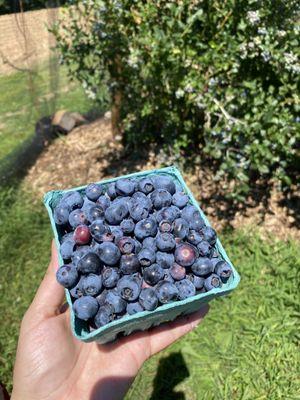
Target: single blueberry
{"type": "Point", "coordinates": [165, 260]}
{"type": "Point", "coordinates": [209, 234]}
{"type": "Point", "coordinates": [185, 289]}
{"type": "Point", "coordinates": [109, 253]}
{"type": "Point", "coordinates": [138, 211]}
{"type": "Point", "coordinates": [85, 307]}
{"type": "Point", "coordinates": [223, 270]}
{"type": "Point", "coordinates": [190, 213]}
{"type": "Point", "coordinates": [150, 243]}
{"type": "Point", "coordinates": [79, 253]}
{"type": "Point", "coordinates": [198, 281]}
{"type": "Point", "coordinates": [146, 257]}
{"type": "Point", "coordinates": [77, 217]}
{"type": "Point", "coordinates": [95, 213]}
{"type": "Point", "coordinates": [153, 274]}
{"type": "Point", "coordinates": [104, 202]}
{"type": "Point", "coordinates": [145, 185]}
{"type": "Point", "coordinates": [72, 200]}
{"type": "Point", "coordinates": [165, 242]}
{"type": "Point", "coordinates": [211, 282]}
{"type": "Point", "coordinates": [185, 254]}
{"type": "Point", "coordinates": [67, 275]}
{"type": "Point", "coordinates": [126, 245]}
{"type": "Point", "coordinates": [202, 266]}
{"type": "Point", "coordinates": [129, 287]}
{"type": "Point", "coordinates": [134, 308]}
{"type": "Point", "coordinates": [61, 215]}
{"type": "Point", "coordinates": [92, 284]}
{"type": "Point", "coordinates": [110, 277]}
{"type": "Point", "coordinates": [127, 226]}
{"type": "Point", "coordinates": [194, 237]}
{"type": "Point", "coordinates": [160, 198]}
{"type": "Point", "coordinates": [167, 213]}
{"type": "Point", "coordinates": [204, 249]}
{"type": "Point", "coordinates": [93, 191]}
{"type": "Point", "coordinates": [165, 226]}
{"type": "Point", "coordinates": [144, 228]}
{"type": "Point", "coordinates": [164, 182]}
{"type": "Point", "coordinates": [115, 213]}
{"type": "Point", "coordinates": [97, 229]}
{"type": "Point", "coordinates": [177, 272]}
{"type": "Point", "coordinates": [166, 291]}
{"type": "Point", "coordinates": [180, 228]}
{"type": "Point", "coordinates": [77, 290]}
{"type": "Point", "coordinates": [125, 187]}
{"type": "Point", "coordinates": [89, 263]}
{"type": "Point", "coordinates": [67, 248]}
{"type": "Point", "coordinates": [104, 315]}
{"type": "Point", "coordinates": [148, 299]}
{"type": "Point", "coordinates": [111, 190]}
{"type": "Point", "coordinates": [129, 264]}
{"type": "Point", "coordinates": [180, 199]}
{"type": "Point", "coordinates": [116, 301]}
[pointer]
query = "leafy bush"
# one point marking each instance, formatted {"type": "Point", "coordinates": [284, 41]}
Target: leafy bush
{"type": "Point", "coordinates": [15, 6]}
{"type": "Point", "coordinates": [205, 77]}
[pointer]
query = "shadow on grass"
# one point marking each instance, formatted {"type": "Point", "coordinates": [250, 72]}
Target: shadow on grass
{"type": "Point", "coordinates": [170, 372]}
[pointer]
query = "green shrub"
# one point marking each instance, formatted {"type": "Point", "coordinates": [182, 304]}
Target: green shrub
{"type": "Point", "coordinates": [214, 80]}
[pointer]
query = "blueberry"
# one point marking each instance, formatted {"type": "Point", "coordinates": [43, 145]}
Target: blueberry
{"type": "Point", "coordinates": [209, 234]}
{"type": "Point", "coordinates": [101, 298]}
{"type": "Point", "coordinates": [93, 191]}
{"type": "Point", "coordinates": [204, 249]}
{"type": "Point", "coordinates": [117, 232]}
{"type": "Point", "coordinates": [77, 290]}
{"type": "Point", "coordinates": [145, 185]}
{"type": "Point", "coordinates": [126, 200]}
{"type": "Point", "coordinates": [61, 215]}
{"type": "Point", "coordinates": [72, 200]}
{"type": "Point", "coordinates": [213, 281]}
{"type": "Point", "coordinates": [125, 187]}
{"type": "Point", "coordinates": [104, 315]}
{"type": "Point", "coordinates": [177, 272]}
{"type": "Point", "coordinates": [150, 243]}
{"type": "Point", "coordinates": [138, 211]}
{"type": "Point", "coordinates": [198, 281]}
{"type": "Point", "coordinates": [98, 228]}
{"type": "Point", "coordinates": [138, 246]}
{"type": "Point", "coordinates": [110, 277]}
{"type": "Point", "coordinates": [143, 199]}
{"type": "Point", "coordinates": [126, 245]}
{"type": "Point", "coordinates": [111, 190]}
{"type": "Point", "coordinates": [85, 307]}
{"type": "Point", "coordinates": [167, 213]}
{"type": "Point", "coordinates": [77, 217]}
{"type": "Point", "coordinates": [165, 260]}
{"type": "Point", "coordinates": [127, 226]}
{"type": "Point", "coordinates": [165, 226]}
{"type": "Point", "coordinates": [165, 241]}
{"type": "Point", "coordinates": [82, 234]}
{"type": "Point", "coordinates": [153, 274]}
{"type": "Point", "coordinates": [202, 267]}
{"type": "Point", "coordinates": [79, 253]}
{"type": "Point", "coordinates": [144, 228]}
{"type": "Point", "coordinates": [180, 199]}
{"type": "Point", "coordinates": [197, 223]}
{"type": "Point", "coordinates": [166, 291]}
{"type": "Point", "coordinates": [180, 228]}
{"type": "Point", "coordinates": [185, 289]}
{"type": "Point", "coordinates": [66, 236]}
{"type": "Point", "coordinates": [115, 300]}
{"type": "Point", "coordinates": [134, 308]}
{"type": "Point", "coordinates": [89, 264]}
{"type": "Point", "coordinates": [109, 253]}
{"type": "Point", "coordinates": [215, 261]}
{"type": "Point", "coordinates": [167, 276]}
{"type": "Point", "coordinates": [129, 264]}
{"type": "Point", "coordinates": [103, 202]}
{"type": "Point", "coordinates": [67, 275]}
{"type": "Point", "coordinates": [194, 237]}
{"type": "Point", "coordinates": [115, 213]}
{"type": "Point", "coordinates": [87, 204]}
{"type": "Point", "coordinates": [148, 299]}
{"type": "Point", "coordinates": [107, 237]}
{"type": "Point", "coordinates": [223, 270]}
{"type": "Point", "coordinates": [94, 213]}
{"type": "Point", "coordinates": [146, 257]}
{"type": "Point", "coordinates": [129, 288]}
{"type": "Point", "coordinates": [185, 254]}
{"type": "Point", "coordinates": [164, 182]}
{"type": "Point", "coordinates": [160, 198]}
{"type": "Point", "coordinates": [92, 285]}
{"type": "Point", "coordinates": [67, 248]}
{"type": "Point", "coordinates": [190, 213]}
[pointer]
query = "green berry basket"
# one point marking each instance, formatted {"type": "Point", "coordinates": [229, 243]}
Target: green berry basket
{"type": "Point", "coordinates": [146, 319]}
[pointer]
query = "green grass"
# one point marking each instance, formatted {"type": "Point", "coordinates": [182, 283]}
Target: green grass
{"type": "Point", "coordinates": [23, 101]}
{"type": "Point", "coordinates": [247, 347]}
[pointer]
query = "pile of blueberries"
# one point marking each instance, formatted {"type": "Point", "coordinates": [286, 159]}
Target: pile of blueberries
{"type": "Point", "coordinates": [133, 245]}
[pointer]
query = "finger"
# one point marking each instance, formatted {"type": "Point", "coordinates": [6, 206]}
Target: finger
{"type": "Point", "coordinates": [50, 295]}
{"type": "Point", "coordinates": [168, 333]}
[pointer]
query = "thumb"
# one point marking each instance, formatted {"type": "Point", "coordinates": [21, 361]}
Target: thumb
{"type": "Point", "coordinates": [50, 295]}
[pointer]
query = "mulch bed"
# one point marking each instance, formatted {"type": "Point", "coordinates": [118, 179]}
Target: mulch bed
{"type": "Point", "coordinates": [89, 153]}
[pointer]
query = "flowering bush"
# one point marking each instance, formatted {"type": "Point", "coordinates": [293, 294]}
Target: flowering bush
{"type": "Point", "coordinates": [210, 78]}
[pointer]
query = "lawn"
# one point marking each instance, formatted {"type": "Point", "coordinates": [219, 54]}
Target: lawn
{"type": "Point", "coordinates": [247, 347]}
{"type": "Point", "coordinates": [25, 99]}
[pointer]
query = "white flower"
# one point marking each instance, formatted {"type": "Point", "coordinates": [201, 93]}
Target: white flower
{"type": "Point", "coordinates": [189, 88]}
{"type": "Point", "coordinates": [179, 93]}
{"type": "Point", "coordinates": [266, 56]}
{"type": "Point", "coordinates": [253, 17]}
{"type": "Point", "coordinates": [199, 101]}
{"type": "Point", "coordinates": [281, 33]}
{"type": "Point", "coordinates": [262, 31]}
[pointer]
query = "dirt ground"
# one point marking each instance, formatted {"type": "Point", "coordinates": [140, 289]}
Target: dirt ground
{"type": "Point", "coordinates": [89, 153]}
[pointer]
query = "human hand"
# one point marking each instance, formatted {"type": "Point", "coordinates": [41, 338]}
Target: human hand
{"type": "Point", "coordinates": [51, 364]}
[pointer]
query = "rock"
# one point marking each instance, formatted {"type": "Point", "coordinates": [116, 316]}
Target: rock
{"type": "Point", "coordinates": [64, 121]}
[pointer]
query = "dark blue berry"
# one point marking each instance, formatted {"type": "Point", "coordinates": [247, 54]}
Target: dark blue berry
{"type": "Point", "coordinates": [126, 245]}
{"type": "Point", "coordinates": [150, 243]}
{"type": "Point", "coordinates": [164, 182]}
{"type": "Point", "coordinates": [213, 281]}
{"type": "Point", "coordinates": [194, 237]}
{"type": "Point", "coordinates": [223, 270]}
{"type": "Point", "coordinates": [134, 308]}
{"type": "Point", "coordinates": [202, 266]}
{"type": "Point", "coordinates": [125, 187]}
{"type": "Point", "coordinates": [110, 277]}
{"type": "Point", "coordinates": [115, 213]}
{"type": "Point", "coordinates": [111, 190]}
{"type": "Point", "coordinates": [67, 275]}
{"type": "Point", "coordinates": [153, 274]}
{"type": "Point", "coordinates": [185, 289]}
{"type": "Point", "coordinates": [116, 301]}
{"type": "Point", "coordinates": [109, 253]}
{"type": "Point", "coordinates": [146, 257]}
{"type": "Point", "coordinates": [180, 199]}
{"type": "Point", "coordinates": [180, 228]}
{"type": "Point", "coordinates": [61, 215]}
{"type": "Point", "coordinates": [146, 227]}
{"type": "Point", "coordinates": [104, 315]}
{"type": "Point", "coordinates": [85, 307]}
{"type": "Point", "coordinates": [167, 213]}
{"type": "Point", "coordinates": [185, 254]}
{"type": "Point", "coordinates": [103, 202]}
{"type": "Point", "coordinates": [129, 287]}
{"type": "Point", "coordinates": [77, 290]}
{"type": "Point", "coordinates": [209, 234]}
{"type": "Point", "coordinates": [177, 272]}
{"type": "Point", "coordinates": [165, 226]}
{"type": "Point", "coordinates": [93, 191]}
{"type": "Point", "coordinates": [204, 249]}
{"type": "Point", "coordinates": [148, 299]}
{"type": "Point", "coordinates": [165, 242]}
{"type": "Point", "coordinates": [129, 264]}
{"type": "Point", "coordinates": [77, 217]}
{"type": "Point", "coordinates": [127, 226]}
{"type": "Point", "coordinates": [67, 248]}
{"type": "Point", "coordinates": [166, 292]}
{"type": "Point", "coordinates": [145, 185]}
{"type": "Point", "coordinates": [160, 198]}
{"type": "Point", "coordinates": [72, 200]}
{"type": "Point", "coordinates": [92, 284]}
{"type": "Point", "coordinates": [138, 211]}
{"type": "Point", "coordinates": [165, 260]}
{"type": "Point", "coordinates": [95, 213]}
{"type": "Point", "coordinates": [89, 263]}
